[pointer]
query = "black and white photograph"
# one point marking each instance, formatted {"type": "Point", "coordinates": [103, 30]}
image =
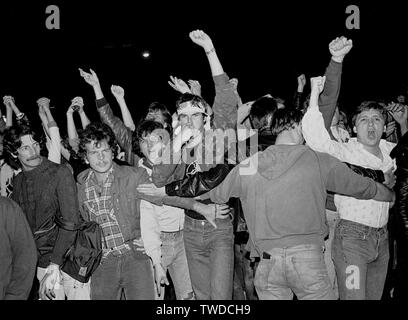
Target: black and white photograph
{"type": "Point", "coordinates": [208, 150]}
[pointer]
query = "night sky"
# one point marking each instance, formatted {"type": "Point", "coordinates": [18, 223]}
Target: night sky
{"type": "Point", "coordinates": [265, 45]}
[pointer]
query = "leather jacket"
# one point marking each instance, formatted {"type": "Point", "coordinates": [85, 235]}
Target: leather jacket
{"type": "Point", "coordinates": [400, 153]}
{"type": "Point", "coordinates": [123, 135]}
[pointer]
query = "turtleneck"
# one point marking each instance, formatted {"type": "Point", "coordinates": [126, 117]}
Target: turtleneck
{"type": "Point", "coordinates": [37, 170]}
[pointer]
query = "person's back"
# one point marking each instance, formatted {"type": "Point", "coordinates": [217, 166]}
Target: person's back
{"type": "Point", "coordinates": [18, 253]}
{"type": "Point", "coordinates": [288, 194]}
{"type": "Point", "coordinates": [283, 199]}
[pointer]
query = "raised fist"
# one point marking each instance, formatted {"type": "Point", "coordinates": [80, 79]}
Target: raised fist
{"type": "Point", "coordinates": [301, 80]}
{"type": "Point", "coordinates": [43, 103]}
{"type": "Point", "coordinates": [339, 47]}
{"type": "Point", "coordinates": [7, 100]}
{"type": "Point", "coordinates": [90, 78]}
{"type": "Point", "coordinates": [117, 91]}
{"type": "Point", "coordinates": [317, 84]}
{"type": "Point", "coordinates": [202, 39]}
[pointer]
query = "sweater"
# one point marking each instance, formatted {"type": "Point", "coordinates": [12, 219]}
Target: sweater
{"type": "Point", "coordinates": [283, 198]}
{"type": "Point", "coordinates": [43, 193]}
{"type": "Point", "coordinates": [18, 254]}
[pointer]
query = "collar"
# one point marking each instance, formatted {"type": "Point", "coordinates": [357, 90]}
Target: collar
{"type": "Point", "coordinates": [92, 176]}
{"type": "Point", "coordinates": [45, 164]}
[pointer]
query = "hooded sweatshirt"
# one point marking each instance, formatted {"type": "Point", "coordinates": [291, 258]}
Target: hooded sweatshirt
{"type": "Point", "coordinates": [283, 196]}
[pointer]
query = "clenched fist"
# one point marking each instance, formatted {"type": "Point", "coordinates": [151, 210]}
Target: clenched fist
{"type": "Point", "coordinates": [339, 47]}
{"type": "Point", "coordinates": [117, 91]}
{"type": "Point", "coordinates": [202, 39]}
{"type": "Point", "coordinates": [317, 84]}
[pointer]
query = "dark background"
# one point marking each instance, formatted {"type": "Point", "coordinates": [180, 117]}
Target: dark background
{"type": "Point", "coordinates": [265, 44]}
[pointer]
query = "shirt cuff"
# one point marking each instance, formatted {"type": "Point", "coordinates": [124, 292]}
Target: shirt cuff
{"type": "Point", "coordinates": [221, 80]}
{"type": "Point", "coordinates": [156, 256]}
{"type": "Point", "coordinates": [334, 67]}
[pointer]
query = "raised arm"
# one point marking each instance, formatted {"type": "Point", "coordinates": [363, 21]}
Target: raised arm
{"type": "Point", "coordinates": [338, 48]}
{"type": "Point", "coordinates": [20, 116]}
{"type": "Point", "coordinates": [203, 40]}
{"type": "Point", "coordinates": [119, 94]}
{"type": "Point", "coordinates": [122, 133]}
{"type": "Point", "coordinates": [78, 105]}
{"type": "Point", "coordinates": [225, 101]}
{"type": "Point", "coordinates": [314, 132]}
{"type": "Point", "coordinates": [298, 99]}
{"type": "Point", "coordinates": [71, 129]}
{"type": "Point", "coordinates": [9, 112]}
{"type": "Point", "coordinates": [2, 123]}
{"type": "Point", "coordinates": [43, 116]}
{"type": "Point", "coordinates": [54, 154]}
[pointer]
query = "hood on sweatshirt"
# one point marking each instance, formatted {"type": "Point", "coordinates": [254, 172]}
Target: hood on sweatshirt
{"type": "Point", "coordinates": [277, 159]}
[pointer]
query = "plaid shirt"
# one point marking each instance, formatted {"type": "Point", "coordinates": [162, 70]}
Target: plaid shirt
{"type": "Point", "coordinates": [100, 208]}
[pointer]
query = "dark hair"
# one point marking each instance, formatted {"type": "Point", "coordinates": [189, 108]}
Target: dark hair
{"type": "Point", "coordinates": [368, 105]}
{"type": "Point", "coordinates": [262, 111]}
{"type": "Point", "coordinates": [194, 99]}
{"type": "Point", "coordinates": [157, 106]}
{"type": "Point", "coordinates": [144, 128]}
{"type": "Point", "coordinates": [96, 131]}
{"type": "Point", "coordinates": [12, 141]}
{"type": "Point", "coordinates": [65, 143]}
{"type": "Point", "coordinates": [285, 119]}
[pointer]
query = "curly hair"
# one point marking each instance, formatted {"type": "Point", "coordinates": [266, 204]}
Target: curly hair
{"type": "Point", "coordinates": [96, 131]}
{"type": "Point", "coordinates": [12, 142]}
{"type": "Point", "coordinates": [144, 127]}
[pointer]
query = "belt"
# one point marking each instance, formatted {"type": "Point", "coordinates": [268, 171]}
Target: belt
{"type": "Point", "coordinates": [168, 232]}
{"type": "Point", "coordinates": [359, 226]}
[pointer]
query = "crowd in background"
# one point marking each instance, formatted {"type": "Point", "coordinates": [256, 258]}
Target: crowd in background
{"type": "Point", "coordinates": [267, 199]}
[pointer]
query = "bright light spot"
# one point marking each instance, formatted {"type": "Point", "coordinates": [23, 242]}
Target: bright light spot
{"type": "Point", "coordinates": [146, 54]}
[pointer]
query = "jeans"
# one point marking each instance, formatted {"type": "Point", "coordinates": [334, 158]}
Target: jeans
{"type": "Point", "coordinates": [69, 287]}
{"type": "Point", "coordinates": [130, 272]}
{"type": "Point", "coordinates": [332, 218]}
{"type": "Point", "coordinates": [360, 255]}
{"type": "Point", "coordinates": [298, 269]}
{"type": "Point", "coordinates": [244, 271]}
{"type": "Point", "coordinates": [210, 257]}
{"type": "Point", "coordinates": [174, 259]}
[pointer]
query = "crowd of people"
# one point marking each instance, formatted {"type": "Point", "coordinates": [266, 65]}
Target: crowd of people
{"type": "Point", "coordinates": [270, 199]}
